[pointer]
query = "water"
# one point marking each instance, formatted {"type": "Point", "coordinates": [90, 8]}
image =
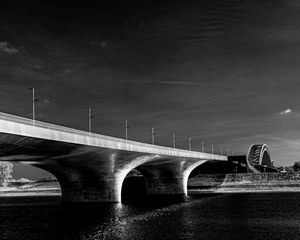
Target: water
{"type": "Point", "coordinates": [228, 216]}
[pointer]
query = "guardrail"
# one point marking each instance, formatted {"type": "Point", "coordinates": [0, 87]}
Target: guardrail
{"type": "Point", "coordinates": [39, 124]}
{"type": "Point", "coordinates": [36, 123]}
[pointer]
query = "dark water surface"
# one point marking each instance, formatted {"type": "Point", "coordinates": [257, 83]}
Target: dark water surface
{"type": "Point", "coordinates": [228, 216]}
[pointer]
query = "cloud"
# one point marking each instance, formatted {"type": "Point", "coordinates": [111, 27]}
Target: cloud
{"type": "Point", "coordinates": [43, 101]}
{"type": "Point", "coordinates": [167, 82]}
{"type": "Point", "coordinates": [286, 111]}
{"type": "Point", "coordinates": [46, 101]}
{"type": "Point", "coordinates": [294, 3]}
{"type": "Point", "coordinates": [5, 47]}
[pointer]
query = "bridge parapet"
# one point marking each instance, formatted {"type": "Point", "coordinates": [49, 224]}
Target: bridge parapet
{"type": "Point", "coordinates": [11, 124]}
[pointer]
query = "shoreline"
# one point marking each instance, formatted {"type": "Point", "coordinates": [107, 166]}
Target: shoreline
{"type": "Point", "coordinates": [32, 192]}
{"type": "Point", "coordinates": [244, 190]}
{"type": "Point", "coordinates": [237, 190]}
{"type": "Point", "coordinates": [202, 184]}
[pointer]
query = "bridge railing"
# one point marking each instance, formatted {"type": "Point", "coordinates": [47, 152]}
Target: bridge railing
{"type": "Point", "coordinates": [50, 126]}
{"type": "Point", "coordinates": [36, 123]}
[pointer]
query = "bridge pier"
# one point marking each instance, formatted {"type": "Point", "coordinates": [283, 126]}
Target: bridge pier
{"type": "Point", "coordinates": [169, 177]}
{"type": "Point", "coordinates": [107, 191]}
{"type": "Point", "coordinates": [85, 183]}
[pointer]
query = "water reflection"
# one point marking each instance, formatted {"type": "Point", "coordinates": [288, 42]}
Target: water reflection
{"type": "Point", "coordinates": [229, 216]}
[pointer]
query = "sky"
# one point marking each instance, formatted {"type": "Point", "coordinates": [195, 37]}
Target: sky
{"type": "Point", "coordinates": [225, 72]}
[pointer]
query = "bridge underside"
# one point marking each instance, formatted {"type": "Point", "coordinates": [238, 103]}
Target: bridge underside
{"type": "Point", "coordinates": [94, 174]}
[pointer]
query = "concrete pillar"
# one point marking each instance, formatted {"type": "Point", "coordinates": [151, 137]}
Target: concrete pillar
{"type": "Point", "coordinates": [85, 181]}
{"type": "Point", "coordinates": [107, 190]}
{"type": "Point", "coordinates": [170, 177]}
{"type": "Point", "coordinates": [86, 184]}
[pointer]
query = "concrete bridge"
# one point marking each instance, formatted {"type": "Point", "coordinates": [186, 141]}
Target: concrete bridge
{"type": "Point", "coordinates": [92, 167]}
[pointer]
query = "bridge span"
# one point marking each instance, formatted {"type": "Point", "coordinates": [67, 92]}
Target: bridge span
{"type": "Point", "coordinates": [92, 167]}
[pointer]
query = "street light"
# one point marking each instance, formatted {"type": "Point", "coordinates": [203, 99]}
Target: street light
{"type": "Point", "coordinates": [126, 129]}
{"type": "Point", "coordinates": [190, 144]}
{"type": "Point", "coordinates": [212, 148]}
{"type": "Point", "coordinates": [221, 149]}
{"type": "Point", "coordinates": [34, 100]}
{"type": "Point", "coordinates": [90, 119]}
{"type": "Point", "coordinates": [153, 135]}
{"type": "Point", "coordinates": [174, 140]}
{"type": "Point", "coordinates": [202, 146]}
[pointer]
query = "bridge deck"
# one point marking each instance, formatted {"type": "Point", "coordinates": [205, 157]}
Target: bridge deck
{"type": "Point", "coordinates": [15, 125]}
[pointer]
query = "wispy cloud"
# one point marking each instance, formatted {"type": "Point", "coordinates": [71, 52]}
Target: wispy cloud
{"type": "Point", "coordinates": [286, 111]}
{"type": "Point", "coordinates": [45, 101]}
{"type": "Point", "coordinates": [290, 143]}
{"type": "Point", "coordinates": [294, 3]}
{"type": "Point", "coordinates": [201, 102]}
{"type": "Point", "coordinates": [5, 47]}
{"type": "Point", "coordinates": [165, 82]}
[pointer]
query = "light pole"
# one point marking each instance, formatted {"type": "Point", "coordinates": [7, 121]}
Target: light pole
{"type": "Point", "coordinates": [126, 129]}
{"type": "Point", "coordinates": [174, 140]}
{"type": "Point", "coordinates": [221, 149]}
{"type": "Point", "coordinates": [212, 148]}
{"type": "Point", "coordinates": [190, 144]}
{"type": "Point", "coordinates": [90, 119]}
{"type": "Point", "coordinates": [34, 100]}
{"type": "Point", "coordinates": [153, 135]}
{"type": "Point", "coordinates": [202, 146]}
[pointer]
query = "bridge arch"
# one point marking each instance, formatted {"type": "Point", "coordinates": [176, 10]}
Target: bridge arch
{"type": "Point", "coordinates": [98, 176]}
{"type": "Point", "coordinates": [259, 154]}
{"type": "Point", "coordinates": [133, 186]}
{"type": "Point", "coordinates": [165, 175]}
{"type": "Point", "coordinates": [21, 176]}
{"type": "Point", "coordinates": [87, 174]}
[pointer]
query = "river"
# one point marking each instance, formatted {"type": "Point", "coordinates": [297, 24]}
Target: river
{"type": "Point", "coordinates": [223, 216]}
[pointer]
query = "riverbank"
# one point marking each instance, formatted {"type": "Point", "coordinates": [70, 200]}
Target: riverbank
{"type": "Point", "coordinates": [31, 188]}
{"type": "Point", "coordinates": [13, 192]}
{"type": "Point", "coordinates": [201, 184]}
{"type": "Point", "coordinates": [237, 189]}
{"type": "Point", "coordinates": [244, 182]}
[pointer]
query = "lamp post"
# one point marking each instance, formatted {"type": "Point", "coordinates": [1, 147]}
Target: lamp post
{"type": "Point", "coordinates": [190, 144]}
{"type": "Point", "coordinates": [34, 100]}
{"type": "Point", "coordinates": [126, 129]}
{"type": "Point", "coordinates": [90, 119]}
{"type": "Point", "coordinates": [153, 135]}
{"type": "Point", "coordinates": [212, 148]}
{"type": "Point", "coordinates": [221, 150]}
{"type": "Point", "coordinates": [202, 146]}
{"type": "Point", "coordinates": [174, 140]}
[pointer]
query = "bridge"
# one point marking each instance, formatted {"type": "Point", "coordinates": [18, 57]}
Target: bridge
{"type": "Point", "coordinates": [259, 157]}
{"type": "Point", "coordinates": [92, 167]}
